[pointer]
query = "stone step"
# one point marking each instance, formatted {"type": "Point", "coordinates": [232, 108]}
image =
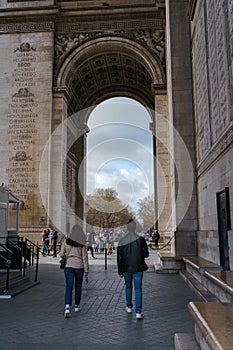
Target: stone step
{"type": "Point", "coordinates": [17, 284]}
{"type": "Point", "coordinates": [160, 269]}
{"type": "Point", "coordinates": [220, 283]}
{"type": "Point", "coordinates": [203, 293]}
{"type": "Point", "coordinates": [200, 264]}
{"type": "Point", "coordinates": [169, 263]}
{"type": "Point", "coordinates": [185, 341]}
{"type": "Point", "coordinates": [208, 279]}
{"type": "Point", "coordinates": [18, 288]}
{"type": "Point", "coordinates": [23, 287]}
{"type": "Point", "coordinates": [213, 324]}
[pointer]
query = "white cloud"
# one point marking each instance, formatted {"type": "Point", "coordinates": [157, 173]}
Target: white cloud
{"type": "Point", "coordinates": [124, 172]}
{"type": "Point", "coordinates": [119, 152]}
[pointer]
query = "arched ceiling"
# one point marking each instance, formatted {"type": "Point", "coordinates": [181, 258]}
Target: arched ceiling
{"type": "Point", "coordinates": [106, 68]}
{"type": "Point", "coordinates": [109, 72]}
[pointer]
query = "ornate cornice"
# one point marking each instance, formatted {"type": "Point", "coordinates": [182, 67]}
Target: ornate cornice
{"type": "Point", "coordinates": [63, 91]}
{"type": "Point", "coordinates": [22, 0]}
{"type": "Point", "coordinates": [101, 23]}
{"type": "Point", "coordinates": [35, 20]}
{"type": "Point", "coordinates": [27, 24]}
{"type": "Point", "coordinates": [159, 89]}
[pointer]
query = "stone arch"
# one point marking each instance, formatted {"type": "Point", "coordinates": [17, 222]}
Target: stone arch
{"type": "Point", "coordinates": [133, 65]}
{"type": "Point", "coordinates": [98, 69]}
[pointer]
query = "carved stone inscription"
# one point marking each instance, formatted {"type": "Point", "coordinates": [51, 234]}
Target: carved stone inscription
{"type": "Point", "coordinates": [201, 88]}
{"type": "Point", "coordinates": [28, 126]}
{"type": "Point", "coordinates": [22, 117]}
{"type": "Point", "coordinates": [217, 67]}
{"type": "Point", "coordinates": [230, 21]}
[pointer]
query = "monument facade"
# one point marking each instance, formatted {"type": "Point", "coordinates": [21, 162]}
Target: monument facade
{"type": "Point", "coordinates": [212, 38]}
{"type": "Point", "coordinates": [59, 59]}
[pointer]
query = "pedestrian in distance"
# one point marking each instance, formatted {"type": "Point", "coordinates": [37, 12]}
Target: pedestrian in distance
{"type": "Point", "coordinates": [54, 242]}
{"type": "Point", "coordinates": [109, 242]}
{"type": "Point", "coordinates": [131, 253]}
{"type": "Point", "coordinates": [74, 249]}
{"type": "Point", "coordinates": [45, 242]}
{"type": "Point", "coordinates": [91, 243]}
{"type": "Point", "coordinates": [155, 237]}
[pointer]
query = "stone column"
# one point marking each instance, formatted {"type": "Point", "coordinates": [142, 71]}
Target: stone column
{"type": "Point", "coordinates": [57, 152]}
{"type": "Point", "coordinates": [77, 130]}
{"type": "Point", "coordinates": [163, 164]}
{"type": "Point", "coordinates": [80, 177]}
{"type": "Point", "coordinates": [67, 144]}
{"type": "Point", "coordinates": [180, 109]}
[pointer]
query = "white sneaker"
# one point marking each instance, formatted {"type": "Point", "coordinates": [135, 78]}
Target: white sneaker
{"type": "Point", "coordinates": [128, 309]}
{"type": "Point", "coordinates": [139, 316]}
{"type": "Point", "coordinates": [67, 313]}
{"type": "Point", "coordinates": [77, 308]}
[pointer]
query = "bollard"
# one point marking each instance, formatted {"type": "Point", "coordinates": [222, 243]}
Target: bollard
{"type": "Point", "coordinates": [106, 259]}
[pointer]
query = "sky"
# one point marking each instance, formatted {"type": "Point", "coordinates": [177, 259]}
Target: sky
{"type": "Point", "coordinates": [119, 150]}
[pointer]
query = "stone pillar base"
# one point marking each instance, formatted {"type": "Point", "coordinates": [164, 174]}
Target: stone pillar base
{"type": "Point", "coordinates": [185, 243]}
{"type": "Point", "coordinates": [169, 263]}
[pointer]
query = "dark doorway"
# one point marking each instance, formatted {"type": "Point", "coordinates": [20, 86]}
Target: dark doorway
{"type": "Point", "coordinates": [224, 224]}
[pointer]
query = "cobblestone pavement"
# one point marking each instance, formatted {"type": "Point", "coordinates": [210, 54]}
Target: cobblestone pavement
{"type": "Point", "coordinates": [34, 319]}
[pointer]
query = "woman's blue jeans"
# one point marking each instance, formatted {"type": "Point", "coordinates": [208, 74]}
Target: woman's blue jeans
{"type": "Point", "coordinates": [73, 277]}
{"type": "Point", "coordinates": [136, 278]}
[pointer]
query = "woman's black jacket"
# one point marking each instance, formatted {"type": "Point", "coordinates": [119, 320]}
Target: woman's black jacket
{"type": "Point", "coordinates": [131, 253]}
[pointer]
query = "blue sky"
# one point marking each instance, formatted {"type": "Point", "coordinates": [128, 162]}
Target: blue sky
{"type": "Point", "coordinates": [119, 150]}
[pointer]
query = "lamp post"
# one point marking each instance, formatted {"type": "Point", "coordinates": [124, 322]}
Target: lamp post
{"type": "Point", "coordinates": [105, 249]}
{"type": "Point", "coordinates": [105, 258]}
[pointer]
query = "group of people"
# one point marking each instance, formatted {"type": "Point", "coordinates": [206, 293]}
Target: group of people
{"type": "Point", "coordinates": [96, 242]}
{"type": "Point", "coordinates": [101, 240]}
{"type": "Point", "coordinates": [131, 253]}
{"type": "Point", "coordinates": [49, 242]}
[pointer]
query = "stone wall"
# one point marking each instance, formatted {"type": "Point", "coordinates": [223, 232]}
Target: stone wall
{"type": "Point", "coordinates": [212, 45]}
{"type": "Point", "coordinates": [38, 39]}
{"type": "Point", "coordinates": [180, 110]}
{"type": "Point", "coordinates": [26, 90]}
{"type": "Point", "coordinates": [12, 4]}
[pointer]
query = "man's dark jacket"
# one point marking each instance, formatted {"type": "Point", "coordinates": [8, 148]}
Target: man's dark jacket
{"type": "Point", "coordinates": [131, 253]}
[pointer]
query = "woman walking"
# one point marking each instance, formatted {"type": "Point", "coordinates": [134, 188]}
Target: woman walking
{"type": "Point", "coordinates": [75, 251]}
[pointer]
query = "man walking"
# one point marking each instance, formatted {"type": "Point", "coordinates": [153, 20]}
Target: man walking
{"type": "Point", "coordinates": [131, 253]}
{"type": "Point", "coordinates": [54, 243]}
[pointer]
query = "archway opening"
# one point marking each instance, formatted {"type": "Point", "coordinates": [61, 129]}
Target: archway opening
{"type": "Point", "coordinates": [90, 75]}
{"type": "Point", "coordinates": [120, 171]}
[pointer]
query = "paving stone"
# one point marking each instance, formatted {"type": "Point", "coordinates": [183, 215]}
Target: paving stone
{"type": "Point", "coordinates": [34, 319]}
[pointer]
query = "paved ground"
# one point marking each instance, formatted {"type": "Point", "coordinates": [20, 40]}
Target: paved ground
{"type": "Point", "coordinates": [34, 319]}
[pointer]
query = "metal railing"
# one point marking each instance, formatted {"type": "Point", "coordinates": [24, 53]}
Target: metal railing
{"type": "Point", "coordinates": [31, 253]}
{"type": "Point", "coordinates": [7, 262]}
{"type": "Point", "coordinates": [19, 254]}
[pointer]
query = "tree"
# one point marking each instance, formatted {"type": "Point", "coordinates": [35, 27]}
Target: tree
{"type": "Point", "coordinates": [146, 212]}
{"type": "Point", "coordinates": [105, 210]}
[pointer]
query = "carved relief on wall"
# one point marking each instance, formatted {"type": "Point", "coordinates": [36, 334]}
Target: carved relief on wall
{"type": "Point", "coordinates": [23, 92]}
{"type": "Point", "coordinates": [66, 42]}
{"type": "Point", "coordinates": [153, 39]}
{"type": "Point", "coordinates": [25, 47]}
